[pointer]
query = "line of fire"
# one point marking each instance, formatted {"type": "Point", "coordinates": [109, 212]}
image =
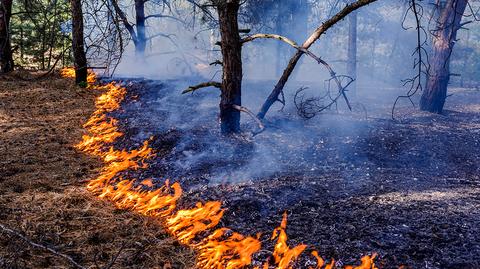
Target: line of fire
{"type": "Point", "coordinates": [232, 134]}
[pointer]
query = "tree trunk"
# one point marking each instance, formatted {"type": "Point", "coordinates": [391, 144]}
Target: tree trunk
{"type": "Point", "coordinates": [232, 66]}
{"type": "Point", "coordinates": [352, 51]}
{"type": "Point", "coordinates": [6, 57]}
{"type": "Point", "coordinates": [435, 93]}
{"type": "Point", "coordinates": [273, 97]}
{"type": "Point", "coordinates": [141, 43]}
{"type": "Point", "coordinates": [80, 59]}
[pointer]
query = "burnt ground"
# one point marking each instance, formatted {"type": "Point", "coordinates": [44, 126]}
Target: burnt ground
{"type": "Point", "coordinates": [407, 189]}
{"type": "Point", "coordinates": [42, 187]}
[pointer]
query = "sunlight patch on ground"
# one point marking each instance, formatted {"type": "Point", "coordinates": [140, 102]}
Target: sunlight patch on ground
{"type": "Point", "coordinates": [433, 196]}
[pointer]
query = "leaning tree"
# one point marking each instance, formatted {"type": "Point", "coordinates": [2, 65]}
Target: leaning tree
{"type": "Point", "coordinates": [231, 48]}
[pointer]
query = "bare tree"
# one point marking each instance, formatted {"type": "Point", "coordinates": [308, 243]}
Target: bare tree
{"type": "Point", "coordinates": [6, 58]}
{"type": "Point", "coordinates": [137, 31]}
{"type": "Point", "coordinates": [80, 59]}
{"type": "Point", "coordinates": [231, 48]}
{"type": "Point", "coordinates": [444, 38]}
{"type": "Point", "coordinates": [232, 65]}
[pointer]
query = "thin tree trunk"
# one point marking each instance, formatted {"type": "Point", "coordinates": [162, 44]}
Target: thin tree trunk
{"type": "Point", "coordinates": [6, 57]}
{"type": "Point", "coordinates": [435, 93]}
{"type": "Point", "coordinates": [80, 59]}
{"type": "Point", "coordinates": [53, 34]}
{"type": "Point", "coordinates": [352, 50]}
{"type": "Point", "coordinates": [141, 43]}
{"type": "Point", "coordinates": [308, 43]}
{"type": "Point", "coordinates": [232, 66]}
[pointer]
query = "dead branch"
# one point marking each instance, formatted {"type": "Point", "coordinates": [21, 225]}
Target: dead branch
{"type": "Point", "coordinates": [309, 107]}
{"type": "Point", "coordinates": [217, 62]}
{"type": "Point", "coordinates": [292, 43]}
{"type": "Point", "coordinates": [270, 36]}
{"type": "Point", "coordinates": [273, 97]}
{"type": "Point", "coordinates": [125, 21]}
{"type": "Point", "coordinates": [422, 61]}
{"type": "Point", "coordinates": [35, 245]}
{"type": "Point", "coordinates": [115, 257]}
{"type": "Point", "coordinates": [203, 85]}
{"type": "Point", "coordinates": [251, 114]}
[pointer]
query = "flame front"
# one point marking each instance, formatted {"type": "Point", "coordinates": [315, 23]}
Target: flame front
{"type": "Point", "coordinates": [69, 72]}
{"type": "Point", "coordinates": [217, 248]}
{"type": "Point", "coordinates": [283, 254]}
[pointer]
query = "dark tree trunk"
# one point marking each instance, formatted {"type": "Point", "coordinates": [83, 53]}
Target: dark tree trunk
{"type": "Point", "coordinates": [6, 57]}
{"type": "Point", "coordinates": [78, 48]}
{"type": "Point", "coordinates": [141, 43]}
{"type": "Point", "coordinates": [435, 93]}
{"type": "Point", "coordinates": [232, 66]}
{"type": "Point", "coordinates": [352, 50]}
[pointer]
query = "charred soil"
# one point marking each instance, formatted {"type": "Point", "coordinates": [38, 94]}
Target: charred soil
{"type": "Point", "coordinates": [406, 189]}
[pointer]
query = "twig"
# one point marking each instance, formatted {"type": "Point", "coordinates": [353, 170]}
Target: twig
{"type": "Point", "coordinates": [33, 244]}
{"type": "Point", "coordinates": [114, 258]}
{"type": "Point", "coordinates": [255, 118]}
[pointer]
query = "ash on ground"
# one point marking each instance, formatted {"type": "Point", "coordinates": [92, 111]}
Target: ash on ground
{"type": "Point", "coordinates": [353, 183]}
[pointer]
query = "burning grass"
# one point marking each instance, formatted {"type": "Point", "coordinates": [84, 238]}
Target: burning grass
{"type": "Point", "coordinates": [42, 185]}
{"type": "Point", "coordinates": [195, 227]}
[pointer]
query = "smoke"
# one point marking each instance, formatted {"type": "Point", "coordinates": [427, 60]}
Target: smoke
{"type": "Point", "coordinates": [188, 127]}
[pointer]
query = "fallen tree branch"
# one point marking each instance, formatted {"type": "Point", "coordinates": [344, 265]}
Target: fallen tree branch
{"type": "Point", "coordinates": [310, 107]}
{"type": "Point", "coordinates": [35, 245]}
{"type": "Point", "coordinates": [203, 85]}
{"type": "Point", "coordinates": [255, 118]}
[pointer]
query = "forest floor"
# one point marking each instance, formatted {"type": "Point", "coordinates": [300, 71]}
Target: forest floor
{"type": "Point", "coordinates": [407, 189]}
{"type": "Point", "coordinates": [42, 187]}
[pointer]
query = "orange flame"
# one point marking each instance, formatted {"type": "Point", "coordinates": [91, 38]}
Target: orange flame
{"type": "Point", "coordinates": [283, 254]}
{"type": "Point", "coordinates": [195, 227]}
{"type": "Point", "coordinates": [229, 252]}
{"type": "Point", "coordinates": [69, 72]}
{"type": "Point", "coordinates": [368, 262]}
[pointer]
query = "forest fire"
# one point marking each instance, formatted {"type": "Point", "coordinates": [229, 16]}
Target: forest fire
{"type": "Point", "coordinates": [195, 227]}
{"type": "Point", "coordinates": [234, 134]}
{"type": "Point", "coordinates": [69, 72]}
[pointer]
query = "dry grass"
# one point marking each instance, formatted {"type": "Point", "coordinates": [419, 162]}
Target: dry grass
{"type": "Point", "coordinates": [42, 180]}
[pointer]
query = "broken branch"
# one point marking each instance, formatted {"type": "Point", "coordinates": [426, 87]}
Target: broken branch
{"type": "Point", "coordinates": [203, 85]}
{"type": "Point", "coordinates": [251, 114]}
{"type": "Point", "coordinates": [273, 97]}
{"type": "Point", "coordinates": [35, 245]}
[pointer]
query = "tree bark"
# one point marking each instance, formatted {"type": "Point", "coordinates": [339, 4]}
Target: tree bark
{"type": "Point", "coordinates": [141, 43]}
{"type": "Point", "coordinates": [435, 93]}
{"type": "Point", "coordinates": [80, 59]}
{"type": "Point", "coordinates": [307, 44]}
{"type": "Point", "coordinates": [232, 66]}
{"type": "Point", "coordinates": [352, 50]}
{"type": "Point", "coordinates": [6, 57]}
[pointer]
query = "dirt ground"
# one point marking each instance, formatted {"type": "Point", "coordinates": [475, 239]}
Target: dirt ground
{"type": "Point", "coordinates": [42, 178]}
